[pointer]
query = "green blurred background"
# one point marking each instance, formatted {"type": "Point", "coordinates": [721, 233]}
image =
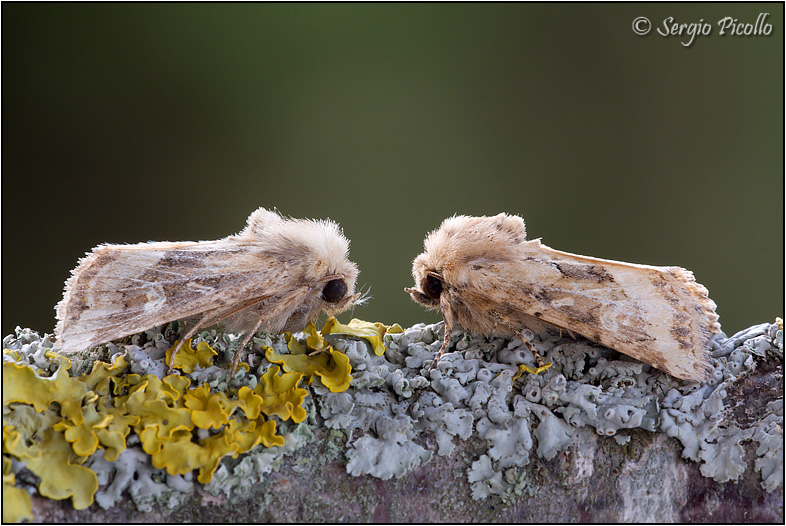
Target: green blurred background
{"type": "Point", "coordinates": [136, 122]}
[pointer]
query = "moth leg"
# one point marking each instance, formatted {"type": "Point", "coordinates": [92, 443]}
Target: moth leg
{"type": "Point", "coordinates": [531, 347]}
{"type": "Point", "coordinates": [318, 351]}
{"type": "Point", "coordinates": [239, 352]}
{"type": "Point", "coordinates": [207, 320]}
{"type": "Point", "coordinates": [282, 305]}
{"type": "Point", "coordinates": [448, 316]}
{"type": "Point", "coordinates": [570, 333]}
{"type": "Point", "coordinates": [187, 336]}
{"type": "Point", "coordinates": [520, 333]}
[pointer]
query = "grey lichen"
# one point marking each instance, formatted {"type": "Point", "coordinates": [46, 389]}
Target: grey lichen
{"type": "Point", "coordinates": [587, 386]}
{"type": "Point", "coordinates": [253, 467]}
{"type": "Point", "coordinates": [397, 398]}
{"type": "Point", "coordinates": [132, 472]}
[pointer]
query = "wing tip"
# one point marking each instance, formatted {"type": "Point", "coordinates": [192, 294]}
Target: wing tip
{"type": "Point", "coordinates": [703, 304]}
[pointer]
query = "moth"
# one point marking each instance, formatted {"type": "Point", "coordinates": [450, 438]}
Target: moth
{"type": "Point", "coordinates": [487, 278]}
{"type": "Point", "coordinates": [277, 274]}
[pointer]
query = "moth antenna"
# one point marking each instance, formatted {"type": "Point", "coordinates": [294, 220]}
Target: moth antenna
{"type": "Point", "coordinates": [365, 296]}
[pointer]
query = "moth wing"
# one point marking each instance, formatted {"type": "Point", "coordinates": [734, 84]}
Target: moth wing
{"type": "Point", "coordinates": [123, 289]}
{"type": "Point", "coordinates": [659, 315]}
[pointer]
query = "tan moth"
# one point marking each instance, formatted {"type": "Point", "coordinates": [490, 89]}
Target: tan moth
{"type": "Point", "coordinates": [277, 274]}
{"type": "Point", "coordinates": [485, 277]}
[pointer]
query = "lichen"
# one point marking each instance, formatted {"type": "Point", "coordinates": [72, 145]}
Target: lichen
{"type": "Point", "coordinates": [316, 357]}
{"type": "Point", "coordinates": [50, 457]}
{"type": "Point", "coordinates": [187, 358]}
{"type": "Point", "coordinates": [385, 458]}
{"type": "Point", "coordinates": [55, 421]}
{"type": "Point", "coordinates": [331, 367]}
{"type": "Point", "coordinates": [279, 395]}
{"type": "Point", "coordinates": [22, 384]}
{"type": "Point", "coordinates": [17, 504]}
{"type": "Point", "coordinates": [374, 333]}
{"type": "Point", "coordinates": [127, 428]}
{"type": "Point", "coordinates": [769, 435]}
{"type": "Point", "coordinates": [523, 414]}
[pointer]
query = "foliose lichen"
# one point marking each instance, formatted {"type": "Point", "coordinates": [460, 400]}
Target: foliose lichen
{"type": "Point", "coordinates": [483, 389]}
{"type": "Point", "coordinates": [124, 426]}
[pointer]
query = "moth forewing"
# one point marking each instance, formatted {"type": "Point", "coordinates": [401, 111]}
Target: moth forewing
{"type": "Point", "coordinates": [119, 290]}
{"type": "Point", "coordinates": [271, 276]}
{"type": "Point", "coordinates": [658, 315]}
{"type": "Point", "coordinates": [494, 282]}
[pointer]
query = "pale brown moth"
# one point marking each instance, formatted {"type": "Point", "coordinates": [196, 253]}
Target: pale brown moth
{"type": "Point", "coordinates": [487, 278]}
{"type": "Point", "coordinates": [277, 274]}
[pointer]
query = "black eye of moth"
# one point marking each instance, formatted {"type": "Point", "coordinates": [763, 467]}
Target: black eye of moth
{"type": "Point", "coordinates": [334, 290]}
{"type": "Point", "coordinates": [432, 287]}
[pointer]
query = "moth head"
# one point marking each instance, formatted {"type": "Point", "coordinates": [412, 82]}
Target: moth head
{"type": "Point", "coordinates": [332, 271]}
{"type": "Point", "coordinates": [429, 293]}
{"type": "Point", "coordinates": [458, 246]}
{"type": "Point", "coordinates": [316, 251]}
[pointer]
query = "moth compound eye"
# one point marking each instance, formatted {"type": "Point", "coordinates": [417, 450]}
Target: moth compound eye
{"type": "Point", "coordinates": [432, 287]}
{"type": "Point", "coordinates": [334, 291]}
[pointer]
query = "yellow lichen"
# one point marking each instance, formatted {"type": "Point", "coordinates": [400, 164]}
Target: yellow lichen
{"type": "Point", "coordinates": [281, 395]}
{"type": "Point", "coordinates": [395, 329]}
{"type": "Point", "coordinates": [22, 384]}
{"type": "Point", "coordinates": [113, 437]}
{"type": "Point", "coordinates": [187, 358]}
{"type": "Point", "coordinates": [55, 357]}
{"type": "Point", "coordinates": [51, 458]}
{"type": "Point", "coordinates": [180, 454]}
{"type": "Point", "coordinates": [100, 410]}
{"type": "Point", "coordinates": [248, 402]}
{"type": "Point", "coordinates": [372, 332]}
{"type": "Point", "coordinates": [315, 340]}
{"type": "Point", "coordinates": [234, 439]}
{"type": "Point", "coordinates": [27, 421]}
{"type": "Point", "coordinates": [44, 450]}
{"type": "Point", "coordinates": [168, 411]}
{"type": "Point", "coordinates": [102, 371]}
{"type": "Point", "coordinates": [247, 435]}
{"type": "Point", "coordinates": [208, 410]}
{"type": "Point", "coordinates": [175, 386]}
{"type": "Point", "coordinates": [215, 447]}
{"type": "Point", "coordinates": [150, 401]}
{"type": "Point", "coordinates": [294, 346]}
{"type": "Point", "coordinates": [83, 436]}
{"type": "Point", "coordinates": [15, 355]}
{"type": "Point", "coordinates": [332, 367]}
{"type": "Point", "coordinates": [17, 505]}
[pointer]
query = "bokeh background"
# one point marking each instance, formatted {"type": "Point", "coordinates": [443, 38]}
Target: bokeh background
{"type": "Point", "coordinates": [136, 122]}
